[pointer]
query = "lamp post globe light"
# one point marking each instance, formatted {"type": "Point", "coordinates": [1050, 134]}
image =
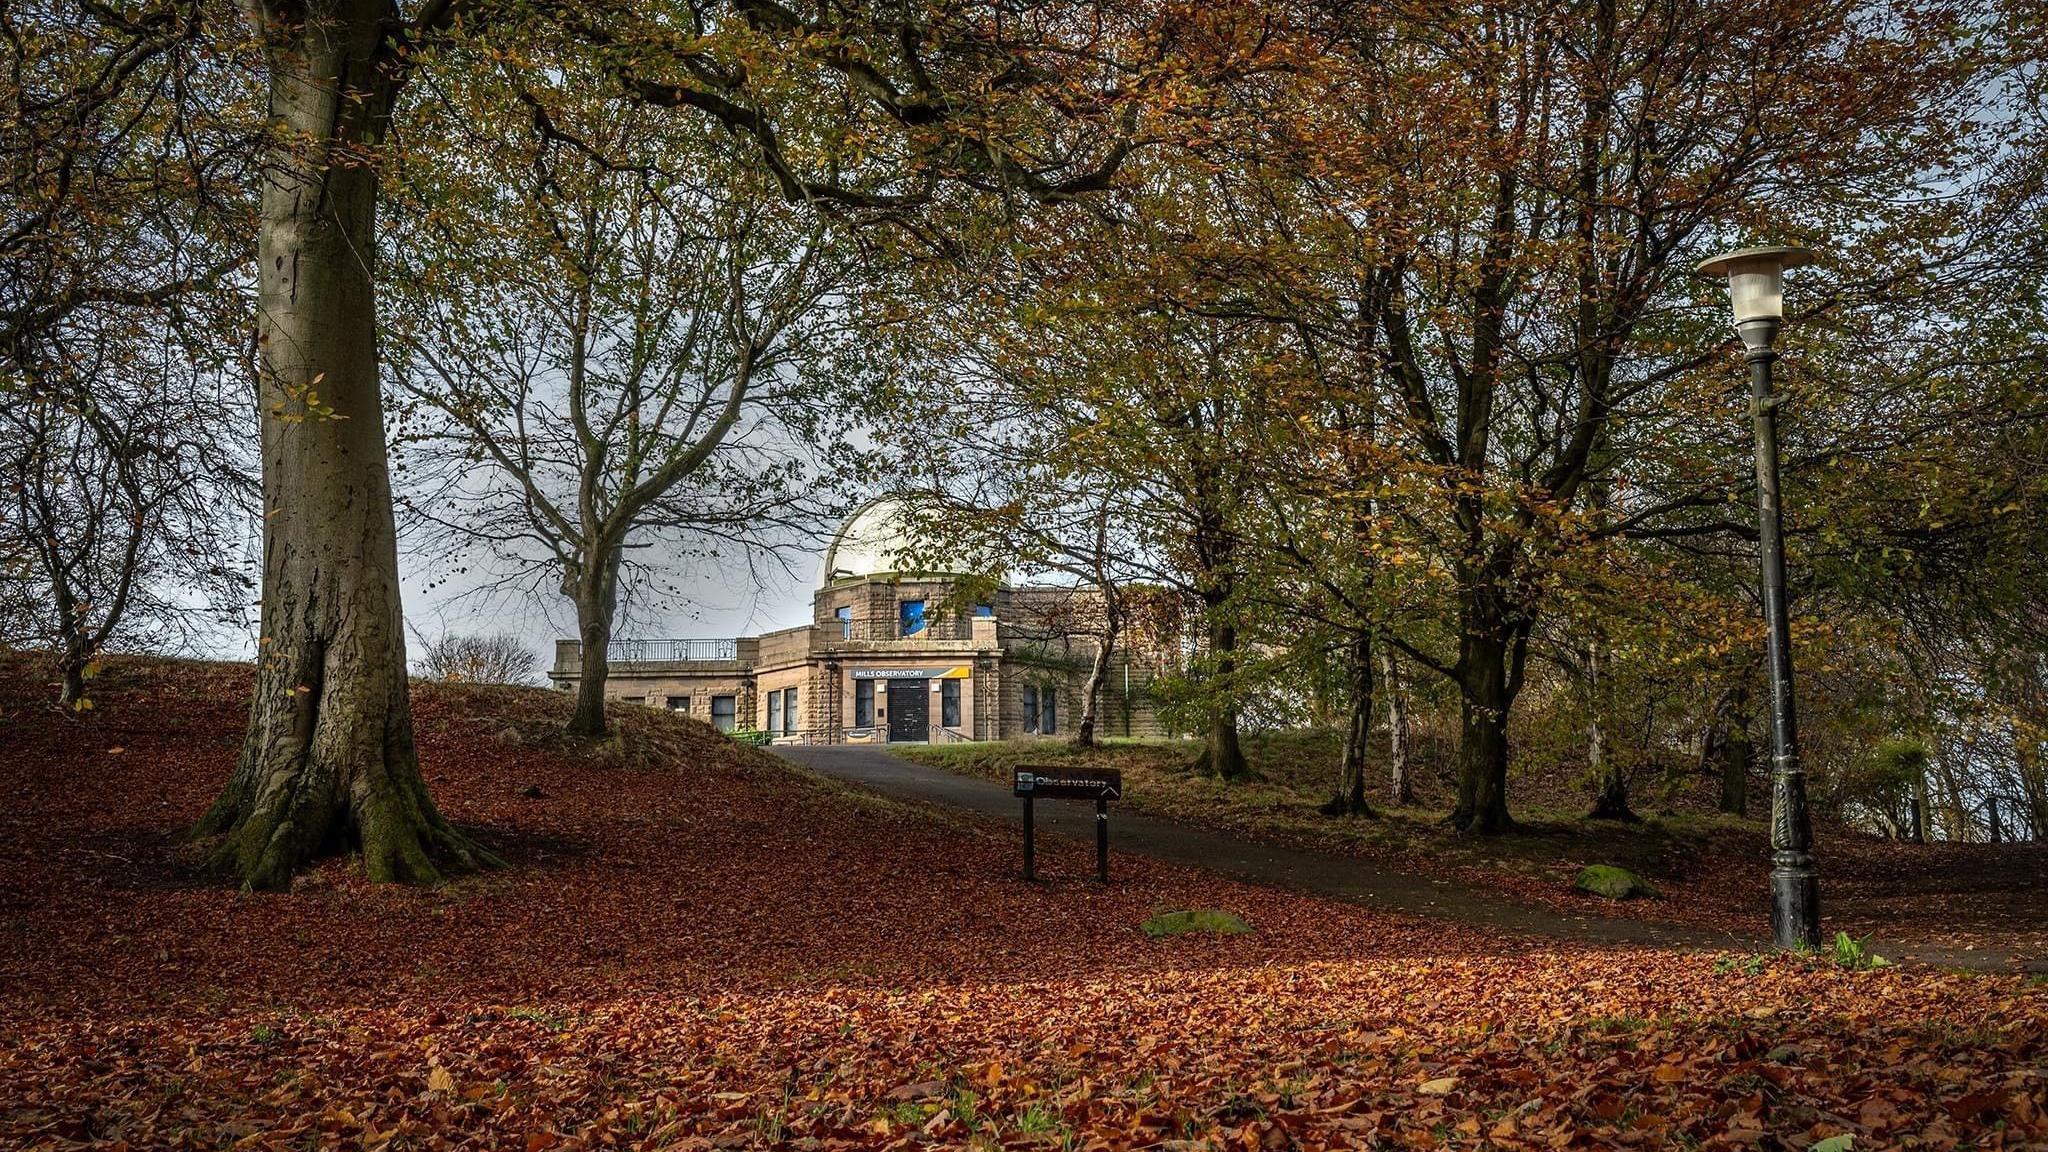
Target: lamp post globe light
{"type": "Point", "coordinates": [1756, 289]}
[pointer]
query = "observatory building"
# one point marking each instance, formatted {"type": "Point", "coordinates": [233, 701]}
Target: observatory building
{"type": "Point", "coordinates": [891, 654]}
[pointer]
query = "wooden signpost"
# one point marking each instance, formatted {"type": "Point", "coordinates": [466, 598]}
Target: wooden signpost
{"type": "Point", "coordinates": [1052, 783]}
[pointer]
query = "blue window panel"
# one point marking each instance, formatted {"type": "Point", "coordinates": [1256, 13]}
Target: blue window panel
{"type": "Point", "coordinates": [984, 611]}
{"type": "Point", "coordinates": [845, 617]}
{"type": "Point", "coordinates": [911, 614]}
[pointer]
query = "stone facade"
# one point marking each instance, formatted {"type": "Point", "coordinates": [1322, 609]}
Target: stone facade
{"type": "Point", "coordinates": [940, 658]}
{"type": "Point", "coordinates": [995, 658]}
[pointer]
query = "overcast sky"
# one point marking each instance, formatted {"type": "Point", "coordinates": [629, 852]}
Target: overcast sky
{"type": "Point", "coordinates": [440, 598]}
{"type": "Point", "coordinates": [708, 605]}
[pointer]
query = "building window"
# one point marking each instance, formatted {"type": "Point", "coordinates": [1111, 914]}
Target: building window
{"type": "Point", "coordinates": [789, 726]}
{"type": "Point", "coordinates": [679, 704]}
{"type": "Point", "coordinates": [1049, 710]}
{"type": "Point", "coordinates": [1031, 708]}
{"type": "Point", "coordinates": [863, 703]}
{"type": "Point", "coordinates": [910, 613]}
{"type": "Point", "coordinates": [774, 711]}
{"type": "Point", "coordinates": [949, 703]}
{"type": "Point", "coordinates": [844, 614]}
{"type": "Point", "coordinates": [984, 611]}
{"type": "Point", "coordinates": [724, 709]}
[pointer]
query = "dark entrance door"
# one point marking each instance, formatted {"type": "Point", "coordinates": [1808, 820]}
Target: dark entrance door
{"type": "Point", "coordinates": [910, 710]}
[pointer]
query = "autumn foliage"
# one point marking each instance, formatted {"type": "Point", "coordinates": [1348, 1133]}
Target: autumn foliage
{"type": "Point", "coordinates": [701, 947]}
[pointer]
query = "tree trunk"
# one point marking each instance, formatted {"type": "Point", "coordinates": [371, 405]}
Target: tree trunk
{"type": "Point", "coordinates": [77, 653]}
{"type": "Point", "coordinates": [1611, 800]}
{"type": "Point", "coordinates": [2033, 793]}
{"type": "Point", "coordinates": [73, 686]}
{"type": "Point", "coordinates": [1918, 805]}
{"type": "Point", "coordinates": [1486, 690]}
{"type": "Point", "coordinates": [593, 584]}
{"type": "Point", "coordinates": [71, 668]}
{"type": "Point", "coordinates": [1221, 753]}
{"type": "Point", "coordinates": [1098, 674]}
{"type": "Point", "coordinates": [1397, 728]}
{"type": "Point", "coordinates": [1350, 798]}
{"type": "Point", "coordinates": [1735, 754]}
{"type": "Point", "coordinates": [328, 761]}
{"type": "Point", "coordinates": [594, 629]}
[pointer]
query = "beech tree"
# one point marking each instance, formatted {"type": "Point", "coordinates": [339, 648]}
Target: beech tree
{"type": "Point", "coordinates": [329, 755]}
{"type": "Point", "coordinates": [1089, 353]}
{"type": "Point", "coordinates": [1538, 182]}
{"type": "Point", "coordinates": [917, 106]}
{"type": "Point", "coordinates": [124, 170]}
{"type": "Point", "coordinates": [123, 246]}
{"type": "Point", "coordinates": [1005, 492]}
{"type": "Point", "coordinates": [617, 317]}
{"type": "Point", "coordinates": [120, 501]}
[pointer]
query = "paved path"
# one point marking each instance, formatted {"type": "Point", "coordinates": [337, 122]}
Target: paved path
{"type": "Point", "coordinates": [1343, 877]}
{"type": "Point", "coordinates": [1350, 878]}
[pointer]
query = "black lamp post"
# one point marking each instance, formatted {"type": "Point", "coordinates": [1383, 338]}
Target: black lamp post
{"type": "Point", "coordinates": [1756, 289]}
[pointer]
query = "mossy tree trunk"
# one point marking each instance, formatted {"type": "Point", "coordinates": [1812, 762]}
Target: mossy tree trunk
{"type": "Point", "coordinates": [1736, 753]}
{"type": "Point", "coordinates": [1215, 549]}
{"type": "Point", "coordinates": [1222, 753]}
{"type": "Point", "coordinates": [1610, 801]}
{"type": "Point", "coordinates": [328, 761]}
{"type": "Point", "coordinates": [1358, 673]}
{"type": "Point", "coordinates": [1491, 652]}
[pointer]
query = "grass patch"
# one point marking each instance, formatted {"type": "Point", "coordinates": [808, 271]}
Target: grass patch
{"type": "Point", "coordinates": [1211, 920]}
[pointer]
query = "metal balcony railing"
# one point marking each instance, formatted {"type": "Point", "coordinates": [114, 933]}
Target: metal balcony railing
{"type": "Point", "coordinates": [933, 628]}
{"type": "Point", "coordinates": [670, 651]}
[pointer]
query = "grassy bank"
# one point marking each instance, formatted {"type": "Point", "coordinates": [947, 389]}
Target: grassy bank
{"type": "Point", "coordinates": [1707, 866]}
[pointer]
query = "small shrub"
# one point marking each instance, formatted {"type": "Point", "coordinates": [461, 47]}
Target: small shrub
{"type": "Point", "coordinates": [478, 660]}
{"type": "Point", "coordinates": [1853, 954]}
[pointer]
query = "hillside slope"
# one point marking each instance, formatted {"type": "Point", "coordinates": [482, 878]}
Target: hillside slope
{"type": "Point", "coordinates": [698, 947]}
